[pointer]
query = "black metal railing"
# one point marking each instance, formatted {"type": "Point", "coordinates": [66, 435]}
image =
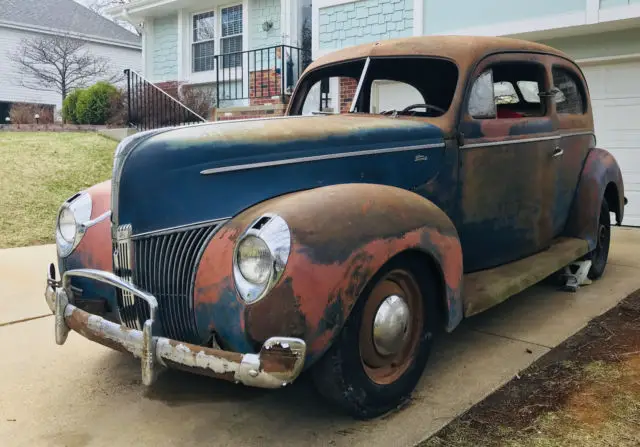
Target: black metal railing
{"type": "Point", "coordinates": [150, 107]}
{"type": "Point", "coordinates": [264, 73]}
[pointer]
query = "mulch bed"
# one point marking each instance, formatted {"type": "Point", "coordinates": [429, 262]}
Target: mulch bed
{"type": "Point", "coordinates": [550, 383]}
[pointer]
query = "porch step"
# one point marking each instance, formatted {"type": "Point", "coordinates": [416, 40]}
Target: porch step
{"type": "Point", "coordinates": [486, 288]}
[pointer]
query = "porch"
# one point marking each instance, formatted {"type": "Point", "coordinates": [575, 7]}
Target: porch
{"type": "Point", "coordinates": [253, 79]}
{"type": "Point", "coordinates": [214, 54]}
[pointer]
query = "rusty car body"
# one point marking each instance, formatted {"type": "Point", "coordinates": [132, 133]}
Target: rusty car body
{"type": "Point", "coordinates": [340, 241]}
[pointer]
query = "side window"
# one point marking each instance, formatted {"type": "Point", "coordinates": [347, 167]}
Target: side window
{"type": "Point", "coordinates": [509, 90]}
{"type": "Point", "coordinates": [568, 98]}
{"type": "Point", "coordinates": [482, 103]}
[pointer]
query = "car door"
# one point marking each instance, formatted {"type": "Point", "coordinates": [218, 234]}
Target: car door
{"type": "Point", "coordinates": [575, 129]}
{"type": "Point", "coordinates": [506, 182]}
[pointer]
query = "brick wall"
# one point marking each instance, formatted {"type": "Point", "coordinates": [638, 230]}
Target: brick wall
{"type": "Point", "coordinates": [263, 86]}
{"type": "Point", "coordinates": [259, 111]}
{"type": "Point", "coordinates": [364, 21]}
{"type": "Point", "coordinates": [347, 92]}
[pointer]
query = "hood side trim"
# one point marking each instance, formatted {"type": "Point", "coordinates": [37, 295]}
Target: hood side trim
{"type": "Point", "coordinates": [290, 161]}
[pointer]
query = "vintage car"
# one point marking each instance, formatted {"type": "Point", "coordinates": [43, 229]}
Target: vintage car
{"type": "Point", "coordinates": [412, 183]}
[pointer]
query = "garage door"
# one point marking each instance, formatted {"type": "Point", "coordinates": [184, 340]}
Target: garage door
{"type": "Point", "coordinates": [615, 95]}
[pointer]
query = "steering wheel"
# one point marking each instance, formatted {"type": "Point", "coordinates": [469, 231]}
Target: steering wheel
{"type": "Point", "coordinates": [426, 106]}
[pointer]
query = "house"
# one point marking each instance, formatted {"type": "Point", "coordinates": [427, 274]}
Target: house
{"type": "Point", "coordinates": [25, 19]}
{"type": "Point", "coordinates": [602, 35]}
{"type": "Point", "coordinates": [245, 56]}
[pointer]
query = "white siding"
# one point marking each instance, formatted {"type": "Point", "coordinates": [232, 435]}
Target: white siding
{"type": "Point", "coordinates": [10, 89]}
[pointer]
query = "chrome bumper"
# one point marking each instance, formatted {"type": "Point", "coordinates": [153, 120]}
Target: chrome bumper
{"type": "Point", "coordinates": [278, 363]}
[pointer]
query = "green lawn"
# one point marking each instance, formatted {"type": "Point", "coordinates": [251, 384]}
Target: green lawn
{"type": "Point", "coordinates": [38, 171]}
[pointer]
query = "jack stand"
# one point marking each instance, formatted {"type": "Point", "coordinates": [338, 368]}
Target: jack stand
{"type": "Point", "coordinates": [577, 279]}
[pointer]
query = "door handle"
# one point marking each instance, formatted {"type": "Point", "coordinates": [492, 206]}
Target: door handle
{"type": "Point", "coordinates": [557, 152]}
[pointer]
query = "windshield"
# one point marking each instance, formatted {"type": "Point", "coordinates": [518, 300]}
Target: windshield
{"type": "Point", "coordinates": [384, 86]}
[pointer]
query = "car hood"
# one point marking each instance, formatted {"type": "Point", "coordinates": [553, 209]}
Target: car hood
{"type": "Point", "coordinates": [212, 171]}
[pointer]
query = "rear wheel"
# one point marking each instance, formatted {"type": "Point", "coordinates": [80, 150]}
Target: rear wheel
{"type": "Point", "coordinates": [380, 354]}
{"type": "Point", "coordinates": [600, 254]}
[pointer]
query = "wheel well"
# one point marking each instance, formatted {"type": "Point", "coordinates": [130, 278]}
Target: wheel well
{"type": "Point", "coordinates": [416, 261]}
{"type": "Point", "coordinates": [611, 196]}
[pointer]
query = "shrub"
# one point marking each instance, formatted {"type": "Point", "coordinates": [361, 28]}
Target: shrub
{"type": "Point", "coordinates": [117, 110]}
{"type": "Point", "coordinates": [69, 107]}
{"type": "Point", "coordinates": [22, 113]}
{"type": "Point", "coordinates": [94, 104]}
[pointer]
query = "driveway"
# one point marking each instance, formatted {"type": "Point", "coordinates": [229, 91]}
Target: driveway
{"type": "Point", "coordinates": [82, 394]}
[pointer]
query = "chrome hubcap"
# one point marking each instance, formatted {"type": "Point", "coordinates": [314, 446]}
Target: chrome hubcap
{"type": "Point", "coordinates": [391, 325]}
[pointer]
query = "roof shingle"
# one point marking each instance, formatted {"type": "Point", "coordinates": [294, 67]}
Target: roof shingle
{"type": "Point", "coordinates": [64, 16]}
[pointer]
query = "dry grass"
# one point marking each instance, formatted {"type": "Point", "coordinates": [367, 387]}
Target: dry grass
{"type": "Point", "coordinates": [38, 171]}
{"type": "Point", "coordinates": [605, 411]}
{"type": "Point", "coordinates": [586, 393]}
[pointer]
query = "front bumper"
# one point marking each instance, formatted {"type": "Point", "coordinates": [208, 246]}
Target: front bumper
{"type": "Point", "coordinates": [278, 363]}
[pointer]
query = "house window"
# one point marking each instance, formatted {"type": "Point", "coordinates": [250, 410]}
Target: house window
{"type": "Point", "coordinates": [204, 41]}
{"type": "Point", "coordinates": [231, 37]}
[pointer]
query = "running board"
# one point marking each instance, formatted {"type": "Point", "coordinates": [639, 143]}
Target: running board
{"type": "Point", "coordinates": [486, 288]}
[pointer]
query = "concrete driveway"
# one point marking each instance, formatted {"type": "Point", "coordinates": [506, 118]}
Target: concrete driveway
{"type": "Point", "coordinates": [82, 394]}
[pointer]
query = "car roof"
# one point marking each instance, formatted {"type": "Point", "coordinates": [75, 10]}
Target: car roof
{"type": "Point", "coordinates": [464, 50]}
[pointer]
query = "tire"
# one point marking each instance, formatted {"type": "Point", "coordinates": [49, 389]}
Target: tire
{"type": "Point", "coordinates": [355, 373]}
{"type": "Point", "coordinates": [600, 254]}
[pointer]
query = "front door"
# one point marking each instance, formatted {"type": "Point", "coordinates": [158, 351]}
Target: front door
{"type": "Point", "coordinates": [506, 181]}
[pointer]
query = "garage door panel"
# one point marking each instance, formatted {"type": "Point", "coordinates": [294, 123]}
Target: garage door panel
{"type": "Point", "coordinates": [618, 114]}
{"type": "Point", "coordinates": [615, 99]}
{"type": "Point", "coordinates": [613, 79]}
{"type": "Point", "coordinates": [631, 214]}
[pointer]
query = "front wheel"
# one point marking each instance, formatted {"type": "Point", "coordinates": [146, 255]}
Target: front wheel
{"type": "Point", "coordinates": [600, 254]}
{"type": "Point", "coordinates": [380, 354]}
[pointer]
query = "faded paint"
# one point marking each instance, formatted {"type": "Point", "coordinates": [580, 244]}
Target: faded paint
{"type": "Point", "coordinates": [327, 269]}
{"type": "Point", "coordinates": [499, 225]}
{"type": "Point", "coordinates": [94, 252]}
{"type": "Point", "coordinates": [600, 170]}
{"type": "Point", "coordinates": [280, 360]}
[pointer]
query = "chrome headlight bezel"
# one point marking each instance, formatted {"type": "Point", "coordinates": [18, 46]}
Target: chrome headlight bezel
{"type": "Point", "coordinates": [274, 232]}
{"type": "Point", "coordinates": [80, 205]}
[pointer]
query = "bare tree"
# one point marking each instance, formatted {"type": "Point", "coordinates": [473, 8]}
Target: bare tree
{"type": "Point", "coordinates": [100, 6]}
{"type": "Point", "coordinates": [59, 64]}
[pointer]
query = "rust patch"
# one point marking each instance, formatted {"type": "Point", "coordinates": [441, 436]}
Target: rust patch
{"type": "Point", "coordinates": [79, 321]}
{"type": "Point", "coordinates": [94, 251]}
{"type": "Point", "coordinates": [333, 256]}
{"type": "Point", "coordinates": [228, 376]}
{"type": "Point", "coordinates": [599, 170]}
{"type": "Point", "coordinates": [277, 360]}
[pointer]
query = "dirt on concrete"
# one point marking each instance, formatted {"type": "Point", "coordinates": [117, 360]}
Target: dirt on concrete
{"type": "Point", "coordinates": [584, 392]}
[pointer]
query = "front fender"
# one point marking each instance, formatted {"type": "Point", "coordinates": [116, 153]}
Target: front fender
{"type": "Point", "coordinates": [341, 236]}
{"type": "Point", "coordinates": [600, 175]}
{"type": "Point", "coordinates": [94, 250]}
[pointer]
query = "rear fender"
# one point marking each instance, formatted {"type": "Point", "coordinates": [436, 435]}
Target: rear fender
{"type": "Point", "coordinates": [341, 236]}
{"type": "Point", "coordinates": [600, 174]}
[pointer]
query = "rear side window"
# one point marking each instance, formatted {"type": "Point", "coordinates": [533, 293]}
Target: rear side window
{"type": "Point", "coordinates": [569, 98]}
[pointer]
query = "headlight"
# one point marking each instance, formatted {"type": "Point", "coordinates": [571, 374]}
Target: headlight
{"type": "Point", "coordinates": [254, 260]}
{"type": "Point", "coordinates": [74, 212]}
{"type": "Point", "coordinates": [67, 225]}
{"type": "Point", "coordinates": [260, 257]}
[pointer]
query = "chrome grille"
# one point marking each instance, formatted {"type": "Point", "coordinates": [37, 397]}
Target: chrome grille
{"type": "Point", "coordinates": [165, 266]}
